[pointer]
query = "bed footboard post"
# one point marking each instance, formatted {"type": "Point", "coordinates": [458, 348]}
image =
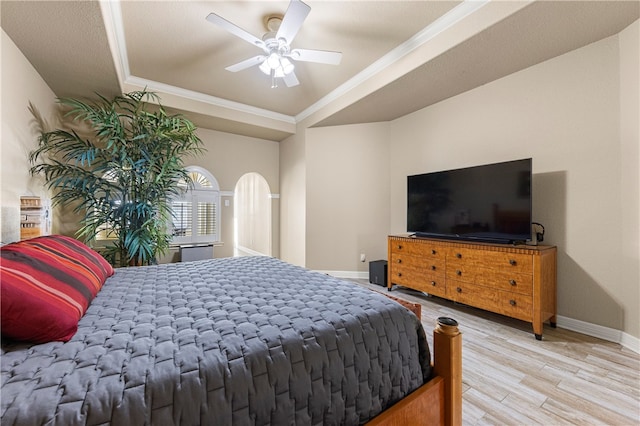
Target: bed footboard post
{"type": "Point", "coordinates": [447, 363]}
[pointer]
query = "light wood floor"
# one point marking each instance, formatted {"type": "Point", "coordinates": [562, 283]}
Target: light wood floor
{"type": "Point", "coordinates": [510, 378]}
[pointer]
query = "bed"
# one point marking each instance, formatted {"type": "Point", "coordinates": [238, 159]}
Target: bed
{"type": "Point", "coordinates": [234, 341]}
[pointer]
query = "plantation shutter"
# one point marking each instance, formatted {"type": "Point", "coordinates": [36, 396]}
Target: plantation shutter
{"type": "Point", "coordinates": [206, 220]}
{"type": "Point", "coordinates": [196, 217]}
{"type": "Point", "coordinates": [196, 214]}
{"type": "Point", "coordinates": [182, 218]}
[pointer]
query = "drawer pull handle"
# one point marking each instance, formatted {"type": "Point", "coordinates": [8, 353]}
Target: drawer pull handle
{"type": "Point", "coordinates": [433, 251]}
{"type": "Point", "coordinates": [399, 274]}
{"type": "Point", "coordinates": [459, 255]}
{"type": "Point", "coordinates": [458, 272]}
{"type": "Point", "coordinates": [399, 247]}
{"type": "Point", "coordinates": [512, 262]}
{"type": "Point", "coordinates": [512, 302]}
{"type": "Point", "coordinates": [512, 282]}
{"type": "Point", "coordinates": [399, 260]}
{"type": "Point", "coordinates": [433, 267]}
{"type": "Point", "coordinates": [458, 289]}
{"type": "Point", "coordinates": [433, 283]}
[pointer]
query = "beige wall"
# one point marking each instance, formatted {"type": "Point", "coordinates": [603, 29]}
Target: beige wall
{"type": "Point", "coordinates": [348, 205]}
{"type": "Point", "coordinates": [228, 157]}
{"type": "Point", "coordinates": [20, 84]}
{"type": "Point", "coordinates": [630, 173]}
{"type": "Point", "coordinates": [566, 113]}
{"type": "Point", "coordinates": [293, 199]}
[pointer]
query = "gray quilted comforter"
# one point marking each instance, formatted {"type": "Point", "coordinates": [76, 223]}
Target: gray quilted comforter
{"type": "Point", "coordinates": [237, 341]}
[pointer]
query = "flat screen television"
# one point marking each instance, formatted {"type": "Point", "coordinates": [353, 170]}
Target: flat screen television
{"type": "Point", "coordinates": [488, 203]}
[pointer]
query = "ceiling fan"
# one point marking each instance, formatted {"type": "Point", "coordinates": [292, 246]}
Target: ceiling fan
{"type": "Point", "coordinates": [276, 44]}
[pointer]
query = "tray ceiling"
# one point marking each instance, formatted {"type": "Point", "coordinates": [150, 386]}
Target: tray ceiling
{"type": "Point", "coordinates": [398, 56]}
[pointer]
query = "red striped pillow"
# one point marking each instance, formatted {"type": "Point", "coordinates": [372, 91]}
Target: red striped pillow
{"type": "Point", "coordinates": [46, 285]}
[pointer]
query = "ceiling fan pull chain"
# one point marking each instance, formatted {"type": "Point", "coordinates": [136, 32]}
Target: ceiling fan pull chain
{"type": "Point", "coordinates": [274, 83]}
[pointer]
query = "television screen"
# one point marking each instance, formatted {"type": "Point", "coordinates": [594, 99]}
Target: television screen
{"type": "Point", "coordinates": [491, 202]}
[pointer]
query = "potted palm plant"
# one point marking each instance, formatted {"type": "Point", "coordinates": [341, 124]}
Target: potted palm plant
{"type": "Point", "coordinates": [122, 175]}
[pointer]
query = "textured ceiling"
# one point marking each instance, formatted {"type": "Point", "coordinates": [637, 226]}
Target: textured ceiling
{"type": "Point", "coordinates": [398, 56]}
{"type": "Point", "coordinates": [65, 42]}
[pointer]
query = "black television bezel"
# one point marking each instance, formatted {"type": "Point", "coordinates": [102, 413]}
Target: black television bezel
{"type": "Point", "coordinates": [503, 239]}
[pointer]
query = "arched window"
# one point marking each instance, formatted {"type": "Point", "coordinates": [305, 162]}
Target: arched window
{"type": "Point", "coordinates": [197, 213]}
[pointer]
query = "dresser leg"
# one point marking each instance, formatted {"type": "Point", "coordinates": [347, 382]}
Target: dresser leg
{"type": "Point", "coordinates": [537, 330]}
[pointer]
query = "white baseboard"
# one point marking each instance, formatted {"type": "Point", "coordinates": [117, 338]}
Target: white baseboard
{"type": "Point", "coordinates": [605, 333]}
{"type": "Point", "coordinates": [610, 334]}
{"type": "Point", "coordinates": [630, 342]}
{"type": "Point", "coordinates": [353, 275]}
{"type": "Point", "coordinates": [248, 252]}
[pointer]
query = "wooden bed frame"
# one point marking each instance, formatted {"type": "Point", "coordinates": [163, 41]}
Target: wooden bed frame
{"type": "Point", "coordinates": [439, 401]}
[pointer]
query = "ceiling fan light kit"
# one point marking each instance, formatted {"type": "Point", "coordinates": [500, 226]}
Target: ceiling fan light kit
{"type": "Point", "coordinates": [276, 44]}
{"type": "Point", "coordinates": [278, 65]}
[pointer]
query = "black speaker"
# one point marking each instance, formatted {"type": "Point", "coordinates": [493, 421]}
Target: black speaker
{"type": "Point", "coordinates": [378, 272]}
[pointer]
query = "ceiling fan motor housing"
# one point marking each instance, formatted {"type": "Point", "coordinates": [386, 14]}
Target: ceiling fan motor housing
{"type": "Point", "coordinates": [273, 45]}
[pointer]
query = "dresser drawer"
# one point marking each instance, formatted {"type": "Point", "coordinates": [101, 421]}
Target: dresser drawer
{"type": "Point", "coordinates": [463, 256]}
{"type": "Point", "coordinates": [503, 261]}
{"type": "Point", "coordinates": [516, 305]}
{"type": "Point", "coordinates": [506, 280]}
{"type": "Point", "coordinates": [408, 276]}
{"type": "Point", "coordinates": [488, 259]}
{"type": "Point", "coordinates": [474, 295]}
{"type": "Point", "coordinates": [433, 265]}
{"type": "Point", "coordinates": [433, 285]}
{"type": "Point", "coordinates": [421, 248]}
{"type": "Point", "coordinates": [407, 263]}
{"type": "Point", "coordinates": [461, 272]}
{"type": "Point", "coordinates": [403, 276]}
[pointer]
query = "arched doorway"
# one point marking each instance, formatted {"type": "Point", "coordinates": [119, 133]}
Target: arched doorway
{"type": "Point", "coordinates": [252, 207]}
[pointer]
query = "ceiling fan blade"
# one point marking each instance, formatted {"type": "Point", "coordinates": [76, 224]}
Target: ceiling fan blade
{"type": "Point", "coordinates": [290, 79]}
{"type": "Point", "coordinates": [294, 17]}
{"type": "Point", "coordinates": [247, 63]}
{"type": "Point", "coordinates": [321, 56]}
{"type": "Point", "coordinates": [235, 30]}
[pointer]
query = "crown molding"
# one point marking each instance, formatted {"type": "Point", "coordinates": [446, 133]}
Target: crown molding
{"type": "Point", "coordinates": [112, 17]}
{"type": "Point", "coordinates": [208, 99]}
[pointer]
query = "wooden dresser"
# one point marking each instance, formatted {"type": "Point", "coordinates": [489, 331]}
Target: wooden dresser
{"type": "Point", "coordinates": [517, 281]}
